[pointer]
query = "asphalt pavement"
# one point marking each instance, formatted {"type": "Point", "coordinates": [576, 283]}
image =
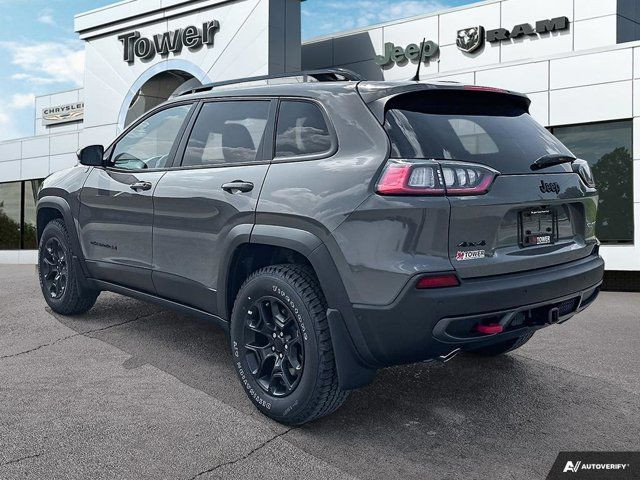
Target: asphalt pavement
{"type": "Point", "coordinates": [133, 391]}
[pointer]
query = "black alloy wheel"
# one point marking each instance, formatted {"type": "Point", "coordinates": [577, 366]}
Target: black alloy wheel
{"type": "Point", "coordinates": [54, 268]}
{"type": "Point", "coordinates": [273, 346]}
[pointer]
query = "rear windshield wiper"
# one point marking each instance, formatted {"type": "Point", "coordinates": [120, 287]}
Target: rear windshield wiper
{"type": "Point", "coordinates": [551, 160]}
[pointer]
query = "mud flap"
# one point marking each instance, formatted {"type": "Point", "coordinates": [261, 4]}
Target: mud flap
{"type": "Point", "coordinates": [352, 373]}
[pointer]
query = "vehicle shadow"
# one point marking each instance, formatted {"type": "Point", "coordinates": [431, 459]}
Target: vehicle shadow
{"type": "Point", "coordinates": [505, 417]}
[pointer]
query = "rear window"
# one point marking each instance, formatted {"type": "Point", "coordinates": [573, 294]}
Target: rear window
{"type": "Point", "coordinates": [478, 127]}
{"type": "Point", "coordinates": [302, 130]}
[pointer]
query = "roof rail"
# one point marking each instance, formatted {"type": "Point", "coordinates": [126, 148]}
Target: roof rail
{"type": "Point", "coordinates": [325, 75]}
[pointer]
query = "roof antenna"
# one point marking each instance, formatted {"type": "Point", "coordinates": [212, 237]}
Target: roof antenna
{"type": "Point", "coordinates": [420, 60]}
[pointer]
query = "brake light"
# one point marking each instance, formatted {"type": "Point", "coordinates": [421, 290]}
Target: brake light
{"type": "Point", "coordinates": [403, 178]}
{"type": "Point", "coordinates": [442, 280]}
{"type": "Point", "coordinates": [430, 177]}
{"type": "Point", "coordinates": [478, 88]}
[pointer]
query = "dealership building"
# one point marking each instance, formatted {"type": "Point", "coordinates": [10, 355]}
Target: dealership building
{"type": "Point", "coordinates": [577, 60]}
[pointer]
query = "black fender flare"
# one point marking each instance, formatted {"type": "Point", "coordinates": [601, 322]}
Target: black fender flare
{"type": "Point", "coordinates": [352, 356]}
{"type": "Point", "coordinates": [62, 206]}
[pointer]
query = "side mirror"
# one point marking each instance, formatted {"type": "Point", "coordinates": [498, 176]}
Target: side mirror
{"type": "Point", "coordinates": [92, 156]}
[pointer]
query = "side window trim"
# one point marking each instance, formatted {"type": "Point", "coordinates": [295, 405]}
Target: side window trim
{"type": "Point", "coordinates": [267, 145]}
{"type": "Point", "coordinates": [314, 156]}
{"type": "Point", "coordinates": [174, 148]}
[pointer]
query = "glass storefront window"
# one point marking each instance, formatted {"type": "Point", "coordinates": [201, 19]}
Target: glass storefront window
{"type": "Point", "coordinates": [18, 215]}
{"type": "Point", "coordinates": [29, 229]}
{"type": "Point", "coordinates": [607, 147]}
{"type": "Point", "coordinates": [10, 214]}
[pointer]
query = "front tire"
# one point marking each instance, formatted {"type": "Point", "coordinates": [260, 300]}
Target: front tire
{"type": "Point", "coordinates": [282, 347]}
{"type": "Point", "coordinates": [57, 273]}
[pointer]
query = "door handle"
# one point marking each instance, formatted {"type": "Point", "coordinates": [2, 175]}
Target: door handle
{"type": "Point", "coordinates": [140, 186]}
{"type": "Point", "coordinates": [238, 186]}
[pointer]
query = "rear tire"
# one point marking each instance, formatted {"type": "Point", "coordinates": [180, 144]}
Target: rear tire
{"type": "Point", "coordinates": [503, 347]}
{"type": "Point", "coordinates": [281, 345]}
{"type": "Point", "coordinates": [58, 274]}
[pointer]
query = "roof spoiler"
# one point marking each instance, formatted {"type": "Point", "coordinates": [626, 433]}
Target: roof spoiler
{"type": "Point", "coordinates": [377, 94]}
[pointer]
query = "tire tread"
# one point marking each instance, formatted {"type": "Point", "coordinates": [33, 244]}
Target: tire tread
{"type": "Point", "coordinates": [327, 396]}
{"type": "Point", "coordinates": [75, 301]}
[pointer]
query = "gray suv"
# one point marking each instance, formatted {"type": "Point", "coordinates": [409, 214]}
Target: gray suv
{"type": "Point", "coordinates": [333, 226]}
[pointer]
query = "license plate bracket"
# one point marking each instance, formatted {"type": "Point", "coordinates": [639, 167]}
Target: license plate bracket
{"type": "Point", "coordinates": [538, 226]}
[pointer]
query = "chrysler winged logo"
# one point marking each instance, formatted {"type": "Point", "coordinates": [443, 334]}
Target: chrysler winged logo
{"type": "Point", "coordinates": [470, 39]}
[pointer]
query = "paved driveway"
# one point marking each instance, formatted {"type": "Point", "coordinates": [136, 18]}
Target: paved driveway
{"type": "Point", "coordinates": [133, 391]}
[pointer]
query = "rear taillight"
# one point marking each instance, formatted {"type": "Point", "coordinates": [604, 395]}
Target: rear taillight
{"type": "Point", "coordinates": [582, 168]}
{"type": "Point", "coordinates": [405, 178]}
{"type": "Point", "coordinates": [466, 179]}
{"type": "Point", "coordinates": [439, 280]}
{"type": "Point", "coordinates": [432, 177]}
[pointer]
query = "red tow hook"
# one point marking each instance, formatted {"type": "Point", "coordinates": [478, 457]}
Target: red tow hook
{"type": "Point", "coordinates": [490, 329]}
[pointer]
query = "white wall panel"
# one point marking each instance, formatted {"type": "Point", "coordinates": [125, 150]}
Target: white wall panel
{"type": "Point", "coordinates": [537, 46]}
{"type": "Point", "coordinates": [602, 67]}
{"type": "Point", "coordinates": [595, 33]}
{"type": "Point", "coordinates": [595, 8]}
{"type": "Point", "coordinates": [636, 104]}
{"type": "Point", "coordinates": [515, 12]}
{"type": "Point", "coordinates": [591, 104]}
{"type": "Point", "coordinates": [464, 78]}
{"type": "Point", "coordinates": [540, 107]}
{"type": "Point", "coordinates": [10, 171]}
{"type": "Point", "coordinates": [530, 77]}
{"type": "Point", "coordinates": [10, 151]}
{"type": "Point", "coordinates": [64, 144]}
{"type": "Point", "coordinates": [37, 167]}
{"type": "Point", "coordinates": [43, 101]}
{"type": "Point", "coordinates": [622, 258]}
{"type": "Point", "coordinates": [35, 147]}
{"type": "Point", "coordinates": [451, 58]}
{"type": "Point", "coordinates": [102, 135]}
{"type": "Point", "coordinates": [450, 23]}
{"type": "Point", "coordinates": [60, 162]}
{"type": "Point", "coordinates": [64, 98]}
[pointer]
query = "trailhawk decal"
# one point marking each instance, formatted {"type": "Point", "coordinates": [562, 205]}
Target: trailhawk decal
{"type": "Point", "coordinates": [470, 255]}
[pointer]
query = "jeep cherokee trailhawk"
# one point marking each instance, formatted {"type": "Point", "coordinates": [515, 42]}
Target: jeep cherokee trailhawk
{"type": "Point", "coordinates": [333, 226]}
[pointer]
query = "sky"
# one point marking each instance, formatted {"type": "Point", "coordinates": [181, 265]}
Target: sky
{"type": "Point", "coordinates": [40, 53]}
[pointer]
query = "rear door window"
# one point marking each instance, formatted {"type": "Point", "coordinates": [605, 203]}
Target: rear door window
{"type": "Point", "coordinates": [476, 127]}
{"type": "Point", "coordinates": [227, 132]}
{"type": "Point", "coordinates": [302, 130]}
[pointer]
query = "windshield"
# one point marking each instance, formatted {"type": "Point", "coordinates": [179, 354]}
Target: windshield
{"type": "Point", "coordinates": [469, 126]}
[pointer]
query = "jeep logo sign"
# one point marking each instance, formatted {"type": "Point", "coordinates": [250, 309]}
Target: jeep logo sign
{"type": "Point", "coordinates": [399, 55]}
{"type": "Point", "coordinates": [471, 39]}
{"type": "Point", "coordinates": [170, 42]}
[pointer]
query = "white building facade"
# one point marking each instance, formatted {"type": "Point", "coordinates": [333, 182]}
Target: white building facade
{"type": "Point", "coordinates": [578, 61]}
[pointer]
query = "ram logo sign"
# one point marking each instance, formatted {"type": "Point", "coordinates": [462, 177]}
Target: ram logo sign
{"type": "Point", "coordinates": [470, 39]}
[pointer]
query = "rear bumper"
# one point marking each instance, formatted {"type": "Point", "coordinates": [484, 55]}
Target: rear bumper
{"type": "Point", "coordinates": [425, 324]}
